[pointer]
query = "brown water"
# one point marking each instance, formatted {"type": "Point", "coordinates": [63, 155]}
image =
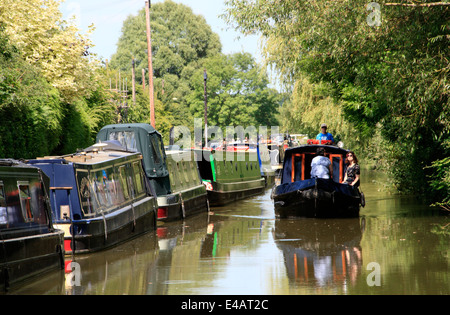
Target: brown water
{"type": "Point", "coordinates": [397, 246]}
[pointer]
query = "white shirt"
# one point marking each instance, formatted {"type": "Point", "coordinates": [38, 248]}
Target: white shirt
{"type": "Point", "coordinates": [320, 167]}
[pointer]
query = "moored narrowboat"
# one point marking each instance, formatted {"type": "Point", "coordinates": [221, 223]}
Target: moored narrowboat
{"type": "Point", "coordinates": [176, 181]}
{"type": "Point", "coordinates": [264, 160]}
{"type": "Point", "coordinates": [229, 175]}
{"type": "Point", "coordinates": [29, 243]}
{"type": "Point", "coordinates": [100, 196]}
{"type": "Point", "coordinates": [300, 195]}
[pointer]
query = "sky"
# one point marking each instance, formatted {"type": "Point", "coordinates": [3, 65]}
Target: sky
{"type": "Point", "coordinates": [108, 16]}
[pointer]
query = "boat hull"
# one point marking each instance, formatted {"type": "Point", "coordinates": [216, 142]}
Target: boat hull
{"type": "Point", "coordinates": [183, 204]}
{"type": "Point", "coordinates": [316, 198]}
{"type": "Point", "coordinates": [223, 194]}
{"type": "Point", "coordinates": [23, 258]}
{"type": "Point", "coordinates": [106, 231]}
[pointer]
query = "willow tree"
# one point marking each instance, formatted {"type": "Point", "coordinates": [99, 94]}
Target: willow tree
{"type": "Point", "coordinates": [386, 65]}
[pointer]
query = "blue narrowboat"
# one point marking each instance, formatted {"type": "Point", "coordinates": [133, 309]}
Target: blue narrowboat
{"type": "Point", "coordinates": [29, 243]}
{"type": "Point", "coordinates": [173, 175]}
{"type": "Point", "coordinates": [100, 196]}
{"type": "Point", "coordinates": [300, 195]}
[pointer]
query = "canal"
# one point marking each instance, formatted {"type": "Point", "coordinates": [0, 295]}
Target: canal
{"type": "Point", "coordinates": [397, 246]}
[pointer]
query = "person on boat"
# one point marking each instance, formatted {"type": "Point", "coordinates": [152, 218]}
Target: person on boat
{"type": "Point", "coordinates": [321, 166]}
{"type": "Point", "coordinates": [324, 135]}
{"type": "Point", "coordinates": [353, 172]}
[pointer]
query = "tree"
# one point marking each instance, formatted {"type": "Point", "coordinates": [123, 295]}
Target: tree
{"type": "Point", "coordinates": [179, 40]}
{"type": "Point", "coordinates": [52, 97]}
{"type": "Point", "coordinates": [238, 92]}
{"type": "Point", "coordinates": [29, 106]}
{"type": "Point", "coordinates": [391, 77]}
{"type": "Point", "coordinates": [54, 45]}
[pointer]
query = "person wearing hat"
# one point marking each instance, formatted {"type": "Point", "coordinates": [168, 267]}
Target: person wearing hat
{"type": "Point", "coordinates": [324, 135]}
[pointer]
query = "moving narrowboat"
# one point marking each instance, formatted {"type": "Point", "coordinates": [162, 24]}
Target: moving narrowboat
{"type": "Point", "coordinates": [300, 195]}
{"type": "Point", "coordinates": [29, 243]}
{"type": "Point", "coordinates": [100, 197]}
{"type": "Point", "coordinates": [176, 180]}
{"type": "Point", "coordinates": [229, 175]}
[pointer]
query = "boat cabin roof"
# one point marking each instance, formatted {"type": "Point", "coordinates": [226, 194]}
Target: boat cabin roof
{"type": "Point", "coordinates": [297, 162]}
{"type": "Point", "coordinates": [99, 153]}
{"type": "Point", "coordinates": [142, 138]}
{"type": "Point", "coordinates": [95, 154]}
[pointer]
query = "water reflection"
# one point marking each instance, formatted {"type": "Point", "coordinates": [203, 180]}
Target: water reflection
{"type": "Point", "coordinates": [321, 252]}
{"type": "Point", "coordinates": [242, 249]}
{"type": "Point", "coordinates": [125, 269]}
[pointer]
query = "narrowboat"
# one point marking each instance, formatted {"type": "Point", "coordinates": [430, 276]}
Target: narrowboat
{"type": "Point", "coordinates": [100, 197]}
{"type": "Point", "coordinates": [300, 195]}
{"type": "Point", "coordinates": [173, 175]}
{"type": "Point", "coordinates": [229, 175]}
{"type": "Point", "coordinates": [29, 243]}
{"type": "Point", "coordinates": [264, 160]}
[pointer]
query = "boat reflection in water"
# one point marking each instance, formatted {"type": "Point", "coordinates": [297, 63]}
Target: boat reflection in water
{"type": "Point", "coordinates": [321, 252]}
{"type": "Point", "coordinates": [124, 269]}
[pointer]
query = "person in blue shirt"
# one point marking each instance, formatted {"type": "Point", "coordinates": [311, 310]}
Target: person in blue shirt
{"type": "Point", "coordinates": [324, 135]}
{"type": "Point", "coordinates": [321, 166]}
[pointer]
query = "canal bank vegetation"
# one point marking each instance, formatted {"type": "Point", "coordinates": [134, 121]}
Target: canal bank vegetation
{"type": "Point", "coordinates": [379, 73]}
{"type": "Point", "coordinates": [52, 98]}
{"type": "Point", "coordinates": [56, 94]}
{"type": "Point", "coordinates": [183, 46]}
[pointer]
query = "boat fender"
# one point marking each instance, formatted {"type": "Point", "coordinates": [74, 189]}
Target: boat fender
{"type": "Point", "coordinates": [105, 227]}
{"type": "Point", "coordinates": [363, 199]}
{"type": "Point", "coordinates": [279, 203]}
{"type": "Point", "coordinates": [134, 218]}
{"type": "Point", "coordinates": [208, 209]}
{"type": "Point", "coordinates": [6, 279]}
{"type": "Point", "coordinates": [183, 210]}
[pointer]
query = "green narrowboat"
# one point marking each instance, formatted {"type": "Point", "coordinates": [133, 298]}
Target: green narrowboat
{"type": "Point", "coordinates": [29, 243]}
{"type": "Point", "coordinates": [230, 175]}
{"type": "Point", "coordinates": [176, 181]}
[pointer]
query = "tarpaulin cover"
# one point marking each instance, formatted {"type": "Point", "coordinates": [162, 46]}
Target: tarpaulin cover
{"type": "Point", "coordinates": [324, 184]}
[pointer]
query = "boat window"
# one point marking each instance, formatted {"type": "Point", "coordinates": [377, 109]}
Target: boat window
{"type": "Point", "coordinates": [185, 171]}
{"type": "Point", "coordinates": [25, 201]}
{"type": "Point", "coordinates": [101, 187]}
{"type": "Point", "coordinates": [138, 177]}
{"type": "Point", "coordinates": [126, 139]}
{"type": "Point", "coordinates": [156, 150]}
{"type": "Point", "coordinates": [123, 182]}
{"type": "Point", "coordinates": [3, 211]}
{"type": "Point", "coordinates": [89, 202]}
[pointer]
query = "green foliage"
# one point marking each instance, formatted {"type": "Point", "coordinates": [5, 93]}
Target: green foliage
{"type": "Point", "coordinates": [35, 121]}
{"type": "Point", "coordinates": [392, 78]}
{"type": "Point", "coordinates": [310, 106]}
{"type": "Point", "coordinates": [183, 45]}
{"type": "Point", "coordinates": [29, 107]}
{"type": "Point", "coordinates": [55, 46]}
{"type": "Point", "coordinates": [237, 90]}
{"type": "Point", "coordinates": [179, 40]}
{"type": "Point", "coordinates": [440, 179]}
